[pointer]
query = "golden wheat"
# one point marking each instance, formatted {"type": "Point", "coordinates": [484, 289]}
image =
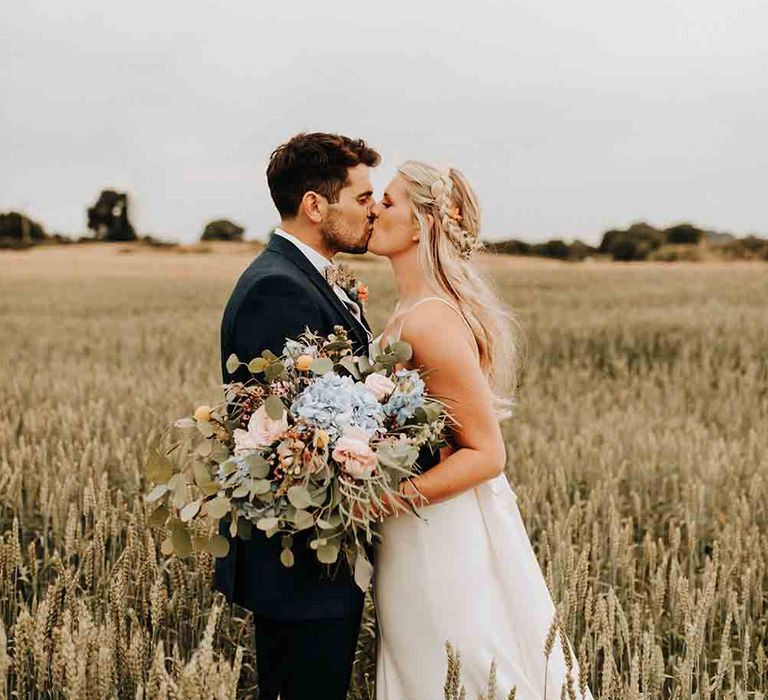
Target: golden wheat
{"type": "Point", "coordinates": [638, 454]}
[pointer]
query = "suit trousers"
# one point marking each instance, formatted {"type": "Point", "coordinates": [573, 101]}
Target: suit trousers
{"type": "Point", "coordinates": [305, 659]}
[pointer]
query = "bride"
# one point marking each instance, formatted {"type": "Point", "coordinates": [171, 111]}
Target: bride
{"type": "Point", "coordinates": [464, 573]}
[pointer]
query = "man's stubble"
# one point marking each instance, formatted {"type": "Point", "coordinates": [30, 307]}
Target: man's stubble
{"type": "Point", "coordinates": [336, 240]}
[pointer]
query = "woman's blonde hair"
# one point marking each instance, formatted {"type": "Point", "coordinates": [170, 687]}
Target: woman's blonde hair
{"type": "Point", "coordinates": [445, 253]}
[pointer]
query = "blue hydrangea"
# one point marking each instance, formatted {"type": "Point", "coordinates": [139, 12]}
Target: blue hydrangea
{"type": "Point", "coordinates": [333, 402]}
{"type": "Point", "coordinates": [407, 396]}
{"type": "Point", "coordinates": [243, 470]}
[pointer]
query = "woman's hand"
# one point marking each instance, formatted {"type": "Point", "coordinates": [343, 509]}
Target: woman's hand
{"type": "Point", "coordinates": [395, 505]}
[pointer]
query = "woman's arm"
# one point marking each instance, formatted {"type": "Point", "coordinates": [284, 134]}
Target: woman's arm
{"type": "Point", "coordinates": [441, 343]}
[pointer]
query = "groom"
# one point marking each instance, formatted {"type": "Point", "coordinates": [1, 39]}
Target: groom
{"type": "Point", "coordinates": [306, 621]}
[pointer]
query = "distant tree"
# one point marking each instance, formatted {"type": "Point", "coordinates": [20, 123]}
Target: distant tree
{"type": "Point", "coordinates": [108, 218]}
{"type": "Point", "coordinates": [748, 248]}
{"type": "Point", "coordinates": [19, 227]}
{"type": "Point", "coordinates": [581, 250]}
{"type": "Point", "coordinates": [222, 230]}
{"type": "Point", "coordinates": [509, 247]}
{"type": "Point", "coordinates": [555, 248]}
{"type": "Point", "coordinates": [684, 233]}
{"type": "Point", "coordinates": [634, 243]}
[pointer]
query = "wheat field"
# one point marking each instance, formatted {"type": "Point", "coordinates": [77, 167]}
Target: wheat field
{"type": "Point", "coordinates": [638, 454]}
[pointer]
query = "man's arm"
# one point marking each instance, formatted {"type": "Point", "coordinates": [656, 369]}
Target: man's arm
{"type": "Point", "coordinates": [275, 308]}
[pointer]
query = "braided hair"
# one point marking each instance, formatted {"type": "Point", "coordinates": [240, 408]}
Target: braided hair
{"type": "Point", "coordinates": [446, 249]}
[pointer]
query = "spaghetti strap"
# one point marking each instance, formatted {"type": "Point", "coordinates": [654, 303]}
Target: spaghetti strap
{"type": "Point", "coordinates": [447, 303]}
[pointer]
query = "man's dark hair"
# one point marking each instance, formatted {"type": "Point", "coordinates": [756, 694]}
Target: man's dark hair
{"type": "Point", "coordinates": [318, 162]}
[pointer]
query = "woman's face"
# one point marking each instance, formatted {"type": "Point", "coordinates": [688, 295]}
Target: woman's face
{"type": "Point", "coordinates": [395, 226]}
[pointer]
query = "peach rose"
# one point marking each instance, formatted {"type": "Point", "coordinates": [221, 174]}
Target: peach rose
{"type": "Point", "coordinates": [354, 454]}
{"type": "Point", "coordinates": [202, 413]}
{"type": "Point", "coordinates": [304, 362]}
{"type": "Point", "coordinates": [262, 431]}
{"type": "Point", "coordinates": [379, 385]}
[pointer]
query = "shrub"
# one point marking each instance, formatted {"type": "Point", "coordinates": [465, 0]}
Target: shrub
{"type": "Point", "coordinates": [16, 227]}
{"type": "Point", "coordinates": [684, 233]}
{"type": "Point", "coordinates": [222, 230]}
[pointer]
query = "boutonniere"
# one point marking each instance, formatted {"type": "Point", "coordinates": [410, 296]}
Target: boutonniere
{"type": "Point", "coordinates": [340, 275]}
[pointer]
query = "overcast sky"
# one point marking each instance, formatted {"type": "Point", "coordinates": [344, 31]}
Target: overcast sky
{"type": "Point", "coordinates": [568, 117]}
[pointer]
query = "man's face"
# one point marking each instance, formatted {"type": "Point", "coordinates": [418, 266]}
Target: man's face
{"type": "Point", "coordinates": [348, 224]}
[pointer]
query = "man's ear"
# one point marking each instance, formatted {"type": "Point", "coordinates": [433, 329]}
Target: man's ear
{"type": "Point", "coordinates": [314, 206]}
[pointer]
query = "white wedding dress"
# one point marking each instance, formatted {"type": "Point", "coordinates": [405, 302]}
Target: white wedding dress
{"type": "Point", "coordinates": [466, 574]}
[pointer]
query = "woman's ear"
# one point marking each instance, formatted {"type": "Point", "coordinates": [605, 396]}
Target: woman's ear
{"type": "Point", "coordinates": [430, 223]}
{"type": "Point", "coordinates": [314, 206]}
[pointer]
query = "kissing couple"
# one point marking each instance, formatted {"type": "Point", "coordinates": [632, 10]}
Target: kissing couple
{"type": "Point", "coordinates": [465, 572]}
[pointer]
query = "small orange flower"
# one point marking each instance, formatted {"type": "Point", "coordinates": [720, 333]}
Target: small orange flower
{"type": "Point", "coordinates": [362, 292]}
{"type": "Point", "coordinates": [304, 362]}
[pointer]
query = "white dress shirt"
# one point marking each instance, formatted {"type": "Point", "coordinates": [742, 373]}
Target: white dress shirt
{"type": "Point", "coordinates": [320, 262]}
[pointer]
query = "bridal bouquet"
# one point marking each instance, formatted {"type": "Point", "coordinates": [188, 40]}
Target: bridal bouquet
{"type": "Point", "coordinates": [317, 439]}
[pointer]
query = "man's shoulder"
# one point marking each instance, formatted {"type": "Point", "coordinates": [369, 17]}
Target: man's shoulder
{"type": "Point", "coordinates": [268, 273]}
{"type": "Point", "coordinates": [269, 266]}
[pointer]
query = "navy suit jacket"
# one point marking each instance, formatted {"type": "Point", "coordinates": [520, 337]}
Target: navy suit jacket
{"type": "Point", "coordinates": [279, 295]}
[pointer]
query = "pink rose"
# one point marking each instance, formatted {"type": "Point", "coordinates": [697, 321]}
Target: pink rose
{"type": "Point", "coordinates": [262, 431]}
{"type": "Point", "coordinates": [379, 385]}
{"type": "Point", "coordinates": [354, 454]}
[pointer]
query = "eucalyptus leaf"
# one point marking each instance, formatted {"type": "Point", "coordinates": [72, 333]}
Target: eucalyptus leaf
{"type": "Point", "coordinates": [159, 468]}
{"type": "Point", "coordinates": [182, 542]}
{"type": "Point", "coordinates": [241, 491]}
{"type": "Point", "coordinates": [274, 407]}
{"type": "Point", "coordinates": [328, 553]}
{"type": "Point", "coordinates": [260, 486]}
{"type": "Point", "coordinates": [299, 496]}
{"type": "Point", "coordinates": [166, 547]}
{"type": "Point", "coordinates": [189, 511]}
{"type": "Point", "coordinates": [258, 466]}
{"type": "Point", "coordinates": [201, 473]}
{"type": "Point", "coordinates": [363, 571]}
{"type": "Point", "coordinates": [210, 489]}
{"type": "Point", "coordinates": [336, 345]}
{"type": "Point", "coordinates": [219, 453]}
{"type": "Point", "coordinates": [257, 365]}
{"type": "Point", "coordinates": [205, 448]}
{"type": "Point", "coordinates": [218, 507]}
{"type": "Point", "coordinates": [180, 496]}
{"type": "Point", "coordinates": [267, 523]}
{"type": "Point", "coordinates": [321, 365]}
{"type": "Point", "coordinates": [269, 355]}
{"type": "Point", "coordinates": [274, 371]}
{"type": "Point", "coordinates": [303, 519]}
{"type": "Point", "coordinates": [286, 558]}
{"type": "Point", "coordinates": [159, 515]}
{"type": "Point", "coordinates": [349, 364]}
{"type": "Point", "coordinates": [218, 546]}
{"type": "Point", "coordinates": [205, 428]}
{"type": "Point", "coordinates": [156, 493]}
{"type": "Point", "coordinates": [228, 467]}
{"type": "Point", "coordinates": [233, 362]}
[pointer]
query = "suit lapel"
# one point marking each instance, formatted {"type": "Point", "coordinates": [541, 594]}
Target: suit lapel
{"type": "Point", "coordinates": [282, 246]}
